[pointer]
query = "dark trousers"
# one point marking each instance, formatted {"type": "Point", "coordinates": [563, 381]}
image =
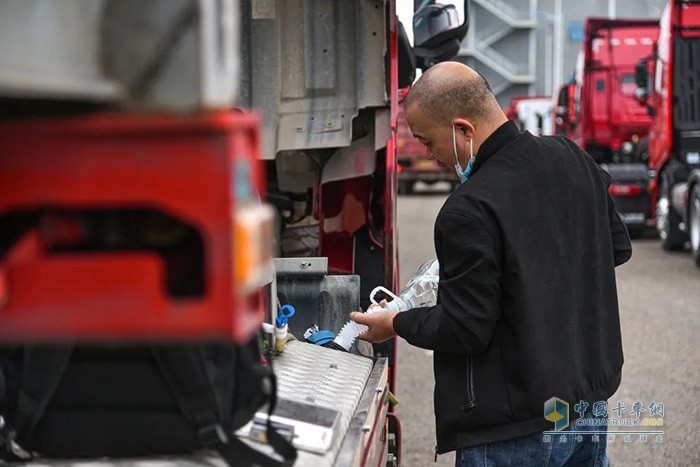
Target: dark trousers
{"type": "Point", "coordinates": [561, 449]}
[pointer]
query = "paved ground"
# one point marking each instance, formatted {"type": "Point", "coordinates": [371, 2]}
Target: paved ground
{"type": "Point", "coordinates": [660, 313]}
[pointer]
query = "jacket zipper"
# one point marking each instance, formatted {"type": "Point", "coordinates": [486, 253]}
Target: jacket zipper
{"type": "Point", "coordinates": [470, 386]}
{"type": "Point", "coordinates": [470, 394]}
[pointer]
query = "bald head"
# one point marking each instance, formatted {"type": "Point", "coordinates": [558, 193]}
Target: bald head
{"type": "Point", "coordinates": [452, 89]}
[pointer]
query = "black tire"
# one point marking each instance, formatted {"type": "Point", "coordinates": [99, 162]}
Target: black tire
{"type": "Point", "coordinates": [636, 232]}
{"type": "Point", "coordinates": [668, 220]}
{"type": "Point", "coordinates": [405, 187]}
{"type": "Point", "coordinates": [694, 223]}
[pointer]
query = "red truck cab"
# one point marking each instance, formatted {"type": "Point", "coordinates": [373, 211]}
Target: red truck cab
{"type": "Point", "coordinates": [154, 215]}
{"type": "Point", "coordinates": [609, 122]}
{"type": "Point", "coordinates": [668, 86]}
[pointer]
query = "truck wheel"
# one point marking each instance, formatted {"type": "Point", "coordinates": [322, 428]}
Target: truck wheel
{"type": "Point", "coordinates": [667, 219]}
{"type": "Point", "coordinates": [405, 187]}
{"type": "Point", "coordinates": [636, 232]}
{"type": "Point", "coordinates": [694, 223]}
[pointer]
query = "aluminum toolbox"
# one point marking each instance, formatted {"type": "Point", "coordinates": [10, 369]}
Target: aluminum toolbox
{"type": "Point", "coordinates": [354, 386]}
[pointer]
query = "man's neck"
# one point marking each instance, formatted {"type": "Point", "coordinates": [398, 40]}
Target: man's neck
{"type": "Point", "coordinates": [488, 130]}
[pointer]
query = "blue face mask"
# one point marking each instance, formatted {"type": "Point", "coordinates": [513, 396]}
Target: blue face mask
{"type": "Point", "coordinates": [463, 174]}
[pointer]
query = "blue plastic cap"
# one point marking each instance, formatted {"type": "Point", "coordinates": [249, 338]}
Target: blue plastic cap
{"type": "Point", "coordinates": [321, 337]}
{"type": "Point", "coordinates": [286, 312]}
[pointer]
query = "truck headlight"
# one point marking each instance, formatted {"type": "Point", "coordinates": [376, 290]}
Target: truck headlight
{"type": "Point", "coordinates": [627, 147]}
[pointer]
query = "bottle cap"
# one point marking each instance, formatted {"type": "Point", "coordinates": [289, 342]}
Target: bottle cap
{"type": "Point", "coordinates": [286, 312]}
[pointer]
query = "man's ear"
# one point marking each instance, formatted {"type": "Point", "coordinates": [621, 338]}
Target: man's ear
{"type": "Point", "coordinates": [464, 125]}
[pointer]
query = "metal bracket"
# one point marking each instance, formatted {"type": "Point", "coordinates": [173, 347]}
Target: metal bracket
{"type": "Point", "coordinates": [301, 266]}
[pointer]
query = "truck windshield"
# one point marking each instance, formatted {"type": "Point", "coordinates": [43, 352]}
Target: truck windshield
{"type": "Point", "coordinates": [627, 85]}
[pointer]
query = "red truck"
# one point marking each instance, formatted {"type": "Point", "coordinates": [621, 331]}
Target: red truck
{"type": "Point", "coordinates": [140, 205]}
{"type": "Point", "coordinates": [668, 86]}
{"type": "Point", "coordinates": [609, 122]}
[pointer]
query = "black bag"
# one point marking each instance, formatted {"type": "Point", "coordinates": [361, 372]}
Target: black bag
{"type": "Point", "coordinates": [76, 401]}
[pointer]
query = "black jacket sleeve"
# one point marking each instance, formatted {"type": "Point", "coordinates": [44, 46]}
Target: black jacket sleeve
{"type": "Point", "coordinates": [464, 320]}
{"type": "Point", "coordinates": [622, 246]}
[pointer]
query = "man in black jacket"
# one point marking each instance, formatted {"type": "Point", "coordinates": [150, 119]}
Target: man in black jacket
{"type": "Point", "coordinates": [527, 303]}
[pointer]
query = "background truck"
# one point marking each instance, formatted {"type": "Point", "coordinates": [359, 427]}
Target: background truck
{"type": "Point", "coordinates": [669, 90]}
{"type": "Point", "coordinates": [531, 113]}
{"type": "Point", "coordinates": [609, 122]}
{"type": "Point", "coordinates": [132, 208]}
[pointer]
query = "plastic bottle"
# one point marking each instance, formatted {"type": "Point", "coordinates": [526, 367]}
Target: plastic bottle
{"type": "Point", "coordinates": [420, 291]}
{"type": "Point", "coordinates": [350, 330]}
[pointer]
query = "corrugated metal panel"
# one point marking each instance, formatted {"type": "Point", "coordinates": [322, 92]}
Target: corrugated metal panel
{"type": "Point", "coordinates": [140, 54]}
{"type": "Point", "coordinates": [326, 378]}
{"type": "Point", "coordinates": [310, 66]}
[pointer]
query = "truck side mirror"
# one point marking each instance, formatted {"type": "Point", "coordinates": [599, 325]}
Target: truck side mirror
{"type": "Point", "coordinates": [641, 74]}
{"type": "Point", "coordinates": [407, 60]}
{"type": "Point", "coordinates": [563, 104]}
{"type": "Point", "coordinates": [641, 79]}
{"type": "Point", "coordinates": [641, 95]}
{"type": "Point", "coordinates": [438, 31]}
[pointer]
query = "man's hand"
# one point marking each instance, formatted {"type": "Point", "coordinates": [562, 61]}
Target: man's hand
{"type": "Point", "coordinates": [380, 324]}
